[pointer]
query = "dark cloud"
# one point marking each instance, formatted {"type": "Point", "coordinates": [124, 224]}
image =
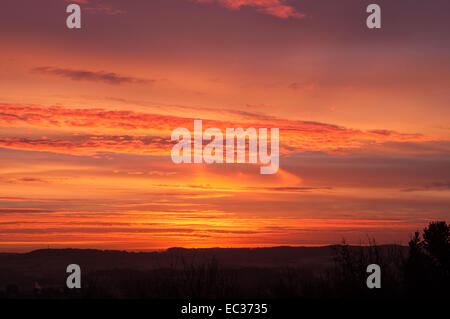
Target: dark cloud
{"type": "Point", "coordinates": [439, 186]}
{"type": "Point", "coordinates": [94, 76]}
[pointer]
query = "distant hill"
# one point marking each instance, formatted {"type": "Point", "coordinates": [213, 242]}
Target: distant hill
{"type": "Point", "coordinates": [90, 259]}
{"type": "Point", "coordinates": [47, 267]}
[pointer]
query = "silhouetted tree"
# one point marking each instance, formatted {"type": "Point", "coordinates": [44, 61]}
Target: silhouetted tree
{"type": "Point", "coordinates": [427, 268]}
{"type": "Point", "coordinates": [436, 241]}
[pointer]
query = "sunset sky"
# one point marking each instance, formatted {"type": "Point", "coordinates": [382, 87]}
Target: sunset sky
{"type": "Point", "coordinates": [86, 118]}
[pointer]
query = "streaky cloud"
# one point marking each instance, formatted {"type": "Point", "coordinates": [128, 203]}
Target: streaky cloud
{"type": "Point", "coordinates": [93, 76]}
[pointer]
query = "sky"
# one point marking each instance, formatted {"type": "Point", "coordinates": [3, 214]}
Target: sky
{"type": "Point", "coordinates": [86, 118]}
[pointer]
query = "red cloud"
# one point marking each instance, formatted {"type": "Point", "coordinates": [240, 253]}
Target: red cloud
{"type": "Point", "coordinates": [277, 8]}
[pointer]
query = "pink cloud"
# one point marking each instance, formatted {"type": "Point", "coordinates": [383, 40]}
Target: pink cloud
{"type": "Point", "coordinates": [94, 6]}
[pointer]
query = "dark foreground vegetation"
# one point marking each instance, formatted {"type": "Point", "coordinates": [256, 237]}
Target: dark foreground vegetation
{"type": "Point", "coordinates": [421, 270]}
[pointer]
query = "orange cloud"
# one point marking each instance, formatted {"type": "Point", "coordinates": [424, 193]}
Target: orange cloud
{"type": "Point", "coordinates": [89, 145]}
{"type": "Point", "coordinates": [295, 136]}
